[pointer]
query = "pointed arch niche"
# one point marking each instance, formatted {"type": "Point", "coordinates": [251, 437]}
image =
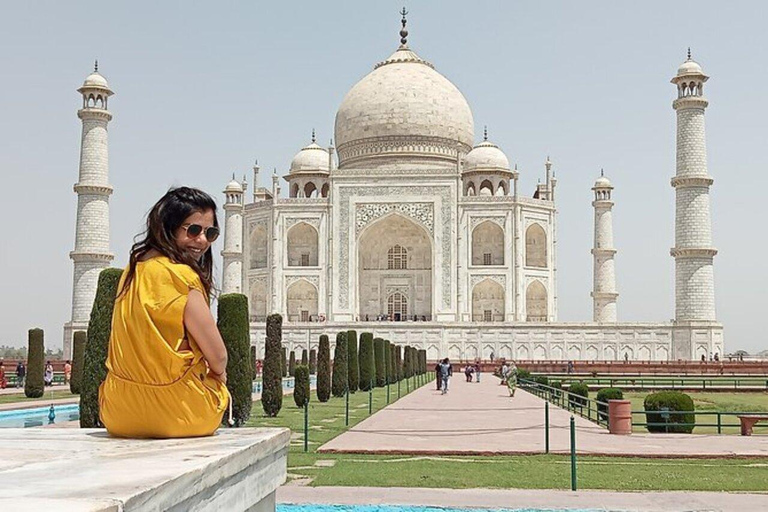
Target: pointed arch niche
{"type": "Point", "coordinates": [536, 302]}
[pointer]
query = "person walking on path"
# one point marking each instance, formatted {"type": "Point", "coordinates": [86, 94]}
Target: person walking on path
{"type": "Point", "coordinates": [477, 372]}
{"type": "Point", "coordinates": [3, 381]}
{"type": "Point", "coordinates": [512, 379]}
{"type": "Point", "coordinates": [67, 372]}
{"type": "Point", "coordinates": [504, 372]}
{"type": "Point", "coordinates": [438, 378]}
{"type": "Point", "coordinates": [21, 372]}
{"type": "Point", "coordinates": [446, 371]}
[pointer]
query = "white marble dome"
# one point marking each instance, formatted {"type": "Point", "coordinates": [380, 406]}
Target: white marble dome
{"type": "Point", "coordinates": [602, 182]}
{"type": "Point", "coordinates": [486, 156]}
{"type": "Point", "coordinates": [689, 67]}
{"type": "Point", "coordinates": [234, 186]}
{"type": "Point", "coordinates": [96, 80]}
{"type": "Point", "coordinates": [310, 158]}
{"type": "Point", "coordinates": [403, 109]}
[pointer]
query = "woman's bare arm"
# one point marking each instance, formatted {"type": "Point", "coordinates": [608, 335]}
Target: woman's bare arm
{"type": "Point", "coordinates": [201, 326]}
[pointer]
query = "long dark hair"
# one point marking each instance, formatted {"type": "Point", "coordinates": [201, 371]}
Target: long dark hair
{"type": "Point", "coordinates": [165, 217]}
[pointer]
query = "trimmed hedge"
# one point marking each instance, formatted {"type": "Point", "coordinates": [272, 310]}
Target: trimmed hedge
{"type": "Point", "coordinates": [604, 395]}
{"type": "Point", "coordinates": [580, 390]}
{"type": "Point", "coordinates": [324, 369]}
{"type": "Point", "coordinates": [312, 362]}
{"type": "Point", "coordinates": [523, 374]}
{"type": "Point", "coordinates": [399, 362]}
{"type": "Point", "coordinates": [353, 363]}
{"type": "Point", "coordinates": [665, 402]}
{"type": "Point", "coordinates": [387, 362]}
{"type": "Point", "coordinates": [541, 379]}
{"type": "Point", "coordinates": [233, 324]}
{"type": "Point", "coordinates": [292, 364]}
{"type": "Point", "coordinates": [78, 359]}
{"type": "Point", "coordinates": [304, 358]}
{"type": "Point", "coordinates": [301, 386]}
{"type": "Point", "coordinates": [379, 361]}
{"type": "Point", "coordinates": [34, 386]}
{"type": "Point", "coordinates": [283, 360]}
{"type": "Point", "coordinates": [97, 346]}
{"type": "Point", "coordinates": [253, 362]}
{"type": "Point", "coordinates": [272, 373]}
{"type": "Point", "coordinates": [340, 378]}
{"type": "Point", "coordinates": [392, 360]}
{"type": "Point", "coordinates": [367, 362]}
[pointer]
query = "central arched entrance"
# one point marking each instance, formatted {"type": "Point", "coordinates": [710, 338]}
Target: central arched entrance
{"type": "Point", "coordinates": [394, 270]}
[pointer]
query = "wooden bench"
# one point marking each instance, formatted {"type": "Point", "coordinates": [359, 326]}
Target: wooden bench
{"type": "Point", "coordinates": [748, 421]}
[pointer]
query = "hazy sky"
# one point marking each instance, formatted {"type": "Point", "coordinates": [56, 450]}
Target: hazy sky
{"type": "Point", "coordinates": [202, 89]}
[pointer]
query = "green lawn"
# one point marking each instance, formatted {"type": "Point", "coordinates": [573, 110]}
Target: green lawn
{"type": "Point", "coordinates": [714, 402]}
{"type": "Point", "coordinates": [522, 472]}
{"type": "Point", "coordinates": [62, 392]}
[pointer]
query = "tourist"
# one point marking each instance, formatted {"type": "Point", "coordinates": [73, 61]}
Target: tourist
{"type": "Point", "coordinates": [48, 375]}
{"type": "Point", "coordinates": [21, 373]}
{"type": "Point", "coordinates": [3, 381]}
{"type": "Point", "coordinates": [438, 378]}
{"type": "Point", "coordinates": [477, 372]}
{"type": "Point", "coordinates": [512, 379]}
{"type": "Point", "coordinates": [166, 363]}
{"type": "Point", "coordinates": [446, 371]}
{"type": "Point", "coordinates": [570, 366]}
{"type": "Point", "coordinates": [504, 372]}
{"type": "Point", "coordinates": [67, 372]}
{"type": "Point", "coordinates": [491, 356]}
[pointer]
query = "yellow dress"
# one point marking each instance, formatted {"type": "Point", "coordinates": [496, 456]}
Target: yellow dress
{"type": "Point", "coordinates": [156, 385]}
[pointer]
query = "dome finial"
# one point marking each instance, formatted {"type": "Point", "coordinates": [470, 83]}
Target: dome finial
{"type": "Point", "coordinates": [601, 172]}
{"type": "Point", "coordinates": [313, 136]}
{"type": "Point", "coordinates": [403, 31]}
{"type": "Point", "coordinates": [96, 66]}
{"type": "Point", "coordinates": [689, 53]}
{"type": "Point", "coordinates": [485, 132]}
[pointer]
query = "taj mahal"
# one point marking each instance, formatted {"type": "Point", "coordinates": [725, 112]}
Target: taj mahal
{"type": "Point", "coordinates": [407, 226]}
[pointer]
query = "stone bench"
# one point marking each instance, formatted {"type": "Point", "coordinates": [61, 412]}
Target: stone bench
{"type": "Point", "coordinates": [748, 422]}
{"type": "Point", "coordinates": [86, 470]}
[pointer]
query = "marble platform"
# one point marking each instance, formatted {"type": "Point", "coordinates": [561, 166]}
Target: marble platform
{"type": "Point", "coordinates": [86, 470]}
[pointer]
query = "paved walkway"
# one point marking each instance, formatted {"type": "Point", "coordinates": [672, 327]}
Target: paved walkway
{"type": "Point", "coordinates": [512, 499]}
{"type": "Point", "coordinates": [481, 419]}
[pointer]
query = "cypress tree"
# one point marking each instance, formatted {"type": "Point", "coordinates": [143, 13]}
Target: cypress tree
{"type": "Point", "coordinates": [97, 345]}
{"type": "Point", "coordinates": [312, 362]}
{"type": "Point", "coordinates": [387, 361]}
{"type": "Point", "coordinates": [423, 361]}
{"type": "Point", "coordinates": [378, 358]}
{"type": "Point", "coordinates": [393, 363]}
{"type": "Point", "coordinates": [399, 362]}
{"type": "Point", "coordinates": [232, 322]}
{"type": "Point", "coordinates": [301, 387]}
{"type": "Point", "coordinates": [324, 369]}
{"type": "Point", "coordinates": [367, 362]}
{"type": "Point", "coordinates": [272, 374]}
{"type": "Point", "coordinates": [304, 358]}
{"type": "Point", "coordinates": [253, 362]}
{"type": "Point", "coordinates": [283, 361]}
{"type": "Point", "coordinates": [340, 378]}
{"type": "Point", "coordinates": [78, 355]}
{"type": "Point", "coordinates": [353, 366]}
{"type": "Point", "coordinates": [34, 386]}
{"type": "Point", "coordinates": [292, 364]}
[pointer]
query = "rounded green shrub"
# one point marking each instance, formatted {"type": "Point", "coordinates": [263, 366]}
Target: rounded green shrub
{"type": "Point", "coordinates": [340, 378]}
{"type": "Point", "coordinates": [233, 324]}
{"type": "Point", "coordinates": [301, 386]}
{"type": "Point", "coordinates": [367, 362]}
{"type": "Point", "coordinates": [324, 369]}
{"type": "Point", "coordinates": [272, 373]}
{"type": "Point", "coordinates": [603, 396]}
{"type": "Point", "coordinates": [291, 363]}
{"type": "Point", "coordinates": [312, 362]}
{"type": "Point", "coordinates": [523, 374]}
{"type": "Point", "coordinates": [579, 392]}
{"type": "Point", "coordinates": [541, 379]}
{"type": "Point", "coordinates": [78, 359]}
{"type": "Point", "coordinates": [34, 386]}
{"type": "Point", "coordinates": [97, 346]}
{"type": "Point", "coordinates": [661, 411]}
{"type": "Point", "coordinates": [353, 364]}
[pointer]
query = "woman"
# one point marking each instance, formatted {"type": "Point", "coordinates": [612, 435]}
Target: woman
{"type": "Point", "coordinates": [48, 375]}
{"type": "Point", "coordinates": [166, 366]}
{"type": "Point", "coordinates": [512, 379]}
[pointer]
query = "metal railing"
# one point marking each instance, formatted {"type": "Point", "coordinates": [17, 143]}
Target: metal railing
{"type": "Point", "coordinates": [587, 408]}
{"type": "Point", "coordinates": [642, 383]}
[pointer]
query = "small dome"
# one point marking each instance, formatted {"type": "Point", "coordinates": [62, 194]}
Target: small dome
{"type": "Point", "coordinates": [310, 158]}
{"type": "Point", "coordinates": [96, 80]}
{"type": "Point", "coordinates": [690, 67]}
{"type": "Point", "coordinates": [602, 182]}
{"type": "Point", "coordinates": [234, 186]}
{"type": "Point", "coordinates": [486, 156]}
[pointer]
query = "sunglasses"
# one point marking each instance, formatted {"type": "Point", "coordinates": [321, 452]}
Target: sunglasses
{"type": "Point", "coordinates": [194, 230]}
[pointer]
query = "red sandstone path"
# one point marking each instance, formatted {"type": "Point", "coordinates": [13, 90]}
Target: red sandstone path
{"type": "Point", "coordinates": [481, 418]}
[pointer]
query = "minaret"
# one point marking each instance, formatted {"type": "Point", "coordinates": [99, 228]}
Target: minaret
{"type": "Point", "coordinates": [91, 254]}
{"type": "Point", "coordinates": [233, 238]}
{"type": "Point", "coordinates": [693, 251]}
{"type": "Point", "coordinates": [604, 274]}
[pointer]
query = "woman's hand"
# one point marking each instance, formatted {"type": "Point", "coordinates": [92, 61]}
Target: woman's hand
{"type": "Point", "coordinates": [221, 377]}
{"type": "Point", "coordinates": [202, 327]}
